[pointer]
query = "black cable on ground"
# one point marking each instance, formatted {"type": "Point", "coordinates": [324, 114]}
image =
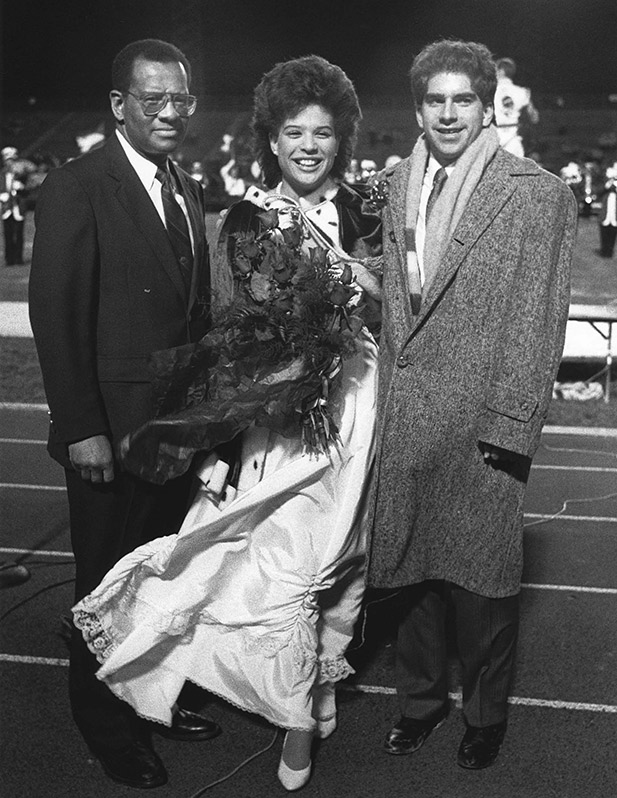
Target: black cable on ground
{"type": "Point", "coordinates": [236, 769]}
{"type": "Point", "coordinates": [34, 595]}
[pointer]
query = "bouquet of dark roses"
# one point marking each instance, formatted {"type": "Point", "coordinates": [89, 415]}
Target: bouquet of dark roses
{"type": "Point", "coordinates": [271, 358]}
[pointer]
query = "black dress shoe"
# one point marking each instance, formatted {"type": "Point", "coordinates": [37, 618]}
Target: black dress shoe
{"type": "Point", "coordinates": [12, 574]}
{"type": "Point", "coordinates": [409, 734]}
{"type": "Point", "coordinates": [136, 766]}
{"type": "Point", "coordinates": [188, 726]}
{"type": "Point", "coordinates": [480, 746]}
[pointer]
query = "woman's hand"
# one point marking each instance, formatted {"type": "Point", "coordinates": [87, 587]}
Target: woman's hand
{"type": "Point", "coordinates": [367, 279]}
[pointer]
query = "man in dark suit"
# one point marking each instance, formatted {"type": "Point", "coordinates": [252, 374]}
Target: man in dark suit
{"type": "Point", "coordinates": [116, 275]}
{"type": "Point", "coordinates": [477, 250]}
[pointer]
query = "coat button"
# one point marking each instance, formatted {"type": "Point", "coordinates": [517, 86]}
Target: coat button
{"type": "Point", "coordinates": [392, 237]}
{"type": "Point", "coordinates": [402, 362]}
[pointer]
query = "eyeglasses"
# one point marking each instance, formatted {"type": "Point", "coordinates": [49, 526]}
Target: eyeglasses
{"type": "Point", "coordinates": [153, 103]}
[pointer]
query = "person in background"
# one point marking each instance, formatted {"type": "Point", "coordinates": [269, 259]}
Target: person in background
{"type": "Point", "coordinates": [608, 213]}
{"type": "Point", "coordinates": [120, 269]}
{"type": "Point", "coordinates": [512, 105]}
{"type": "Point", "coordinates": [13, 199]}
{"type": "Point", "coordinates": [476, 268]}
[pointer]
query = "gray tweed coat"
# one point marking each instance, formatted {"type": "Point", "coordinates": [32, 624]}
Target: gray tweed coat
{"type": "Point", "coordinates": [476, 365]}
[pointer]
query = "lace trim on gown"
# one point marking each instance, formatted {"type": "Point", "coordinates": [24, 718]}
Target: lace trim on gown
{"type": "Point", "coordinates": [333, 669]}
{"type": "Point", "coordinates": [301, 638]}
{"type": "Point", "coordinates": [94, 634]}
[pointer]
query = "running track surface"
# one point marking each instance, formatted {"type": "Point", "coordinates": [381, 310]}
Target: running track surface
{"type": "Point", "coordinates": [563, 720]}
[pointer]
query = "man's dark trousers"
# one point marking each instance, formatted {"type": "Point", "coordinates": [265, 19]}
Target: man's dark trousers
{"type": "Point", "coordinates": [107, 522]}
{"type": "Point", "coordinates": [486, 635]}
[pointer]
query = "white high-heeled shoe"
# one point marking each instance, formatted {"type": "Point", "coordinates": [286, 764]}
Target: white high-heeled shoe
{"type": "Point", "coordinates": [293, 779]}
{"type": "Point", "coordinates": [324, 709]}
{"type": "Point", "coordinates": [325, 728]}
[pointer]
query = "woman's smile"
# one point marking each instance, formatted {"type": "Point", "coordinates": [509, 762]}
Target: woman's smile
{"type": "Point", "coordinates": [306, 146]}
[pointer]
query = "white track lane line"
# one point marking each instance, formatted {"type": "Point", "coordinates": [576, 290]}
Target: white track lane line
{"type": "Point", "coordinates": [607, 591]}
{"type": "Point", "coordinates": [607, 519]}
{"type": "Point", "coordinates": [37, 552]}
{"type": "Point", "coordinates": [370, 689]}
{"type": "Point", "coordinates": [529, 702]}
{"type": "Point", "coordinates": [21, 486]}
{"type": "Point", "coordinates": [22, 660]}
{"type": "Point", "coordinates": [23, 406]}
{"type": "Point", "coordinates": [525, 585]}
{"type": "Point", "coordinates": [23, 440]}
{"type": "Point", "coordinates": [592, 469]}
{"type": "Point", "coordinates": [590, 432]}
{"type": "Point", "coordinates": [610, 591]}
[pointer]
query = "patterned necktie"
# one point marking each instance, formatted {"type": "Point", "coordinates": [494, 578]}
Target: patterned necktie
{"type": "Point", "coordinates": [438, 182]}
{"type": "Point", "coordinates": [177, 227]}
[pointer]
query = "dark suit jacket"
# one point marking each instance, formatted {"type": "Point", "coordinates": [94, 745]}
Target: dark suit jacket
{"type": "Point", "coordinates": [105, 292]}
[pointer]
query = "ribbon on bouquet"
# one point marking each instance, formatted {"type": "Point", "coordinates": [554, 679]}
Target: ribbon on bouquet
{"type": "Point", "coordinates": [283, 204]}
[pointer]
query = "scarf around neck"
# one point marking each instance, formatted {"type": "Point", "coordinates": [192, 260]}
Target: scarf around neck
{"type": "Point", "coordinates": [448, 209]}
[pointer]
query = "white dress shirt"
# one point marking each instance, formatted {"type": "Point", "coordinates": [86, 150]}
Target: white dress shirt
{"type": "Point", "coordinates": [146, 172]}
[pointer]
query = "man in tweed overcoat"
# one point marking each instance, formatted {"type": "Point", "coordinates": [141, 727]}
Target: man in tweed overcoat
{"type": "Point", "coordinates": [475, 303]}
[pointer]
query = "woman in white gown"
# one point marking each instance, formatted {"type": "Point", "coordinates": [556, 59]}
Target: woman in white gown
{"type": "Point", "coordinates": [256, 597]}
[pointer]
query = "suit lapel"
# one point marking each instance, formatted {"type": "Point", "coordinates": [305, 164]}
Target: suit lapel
{"type": "Point", "coordinates": [138, 205]}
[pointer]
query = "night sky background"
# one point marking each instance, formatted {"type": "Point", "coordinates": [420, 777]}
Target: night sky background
{"type": "Point", "coordinates": [60, 51]}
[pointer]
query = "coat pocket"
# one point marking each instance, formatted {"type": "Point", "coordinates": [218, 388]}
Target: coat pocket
{"type": "Point", "coordinates": [511, 402]}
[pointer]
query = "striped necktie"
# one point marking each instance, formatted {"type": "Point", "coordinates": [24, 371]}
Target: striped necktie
{"type": "Point", "coordinates": [438, 181]}
{"type": "Point", "coordinates": [177, 227]}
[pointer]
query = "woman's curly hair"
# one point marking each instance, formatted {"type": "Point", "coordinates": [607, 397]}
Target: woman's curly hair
{"type": "Point", "coordinates": [286, 90]}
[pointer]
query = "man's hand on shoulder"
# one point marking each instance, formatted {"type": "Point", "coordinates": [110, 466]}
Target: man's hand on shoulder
{"type": "Point", "coordinates": [93, 459]}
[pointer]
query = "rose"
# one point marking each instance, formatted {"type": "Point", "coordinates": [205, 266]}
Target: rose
{"type": "Point", "coordinates": [340, 294]}
{"type": "Point", "coordinates": [282, 273]}
{"type": "Point", "coordinates": [292, 235]}
{"type": "Point", "coordinates": [260, 287]}
{"type": "Point", "coordinates": [242, 264]}
{"type": "Point", "coordinates": [284, 301]}
{"type": "Point", "coordinates": [270, 219]}
{"type": "Point", "coordinates": [249, 247]}
{"type": "Point", "coordinates": [263, 334]}
{"type": "Point", "coordinates": [346, 275]}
